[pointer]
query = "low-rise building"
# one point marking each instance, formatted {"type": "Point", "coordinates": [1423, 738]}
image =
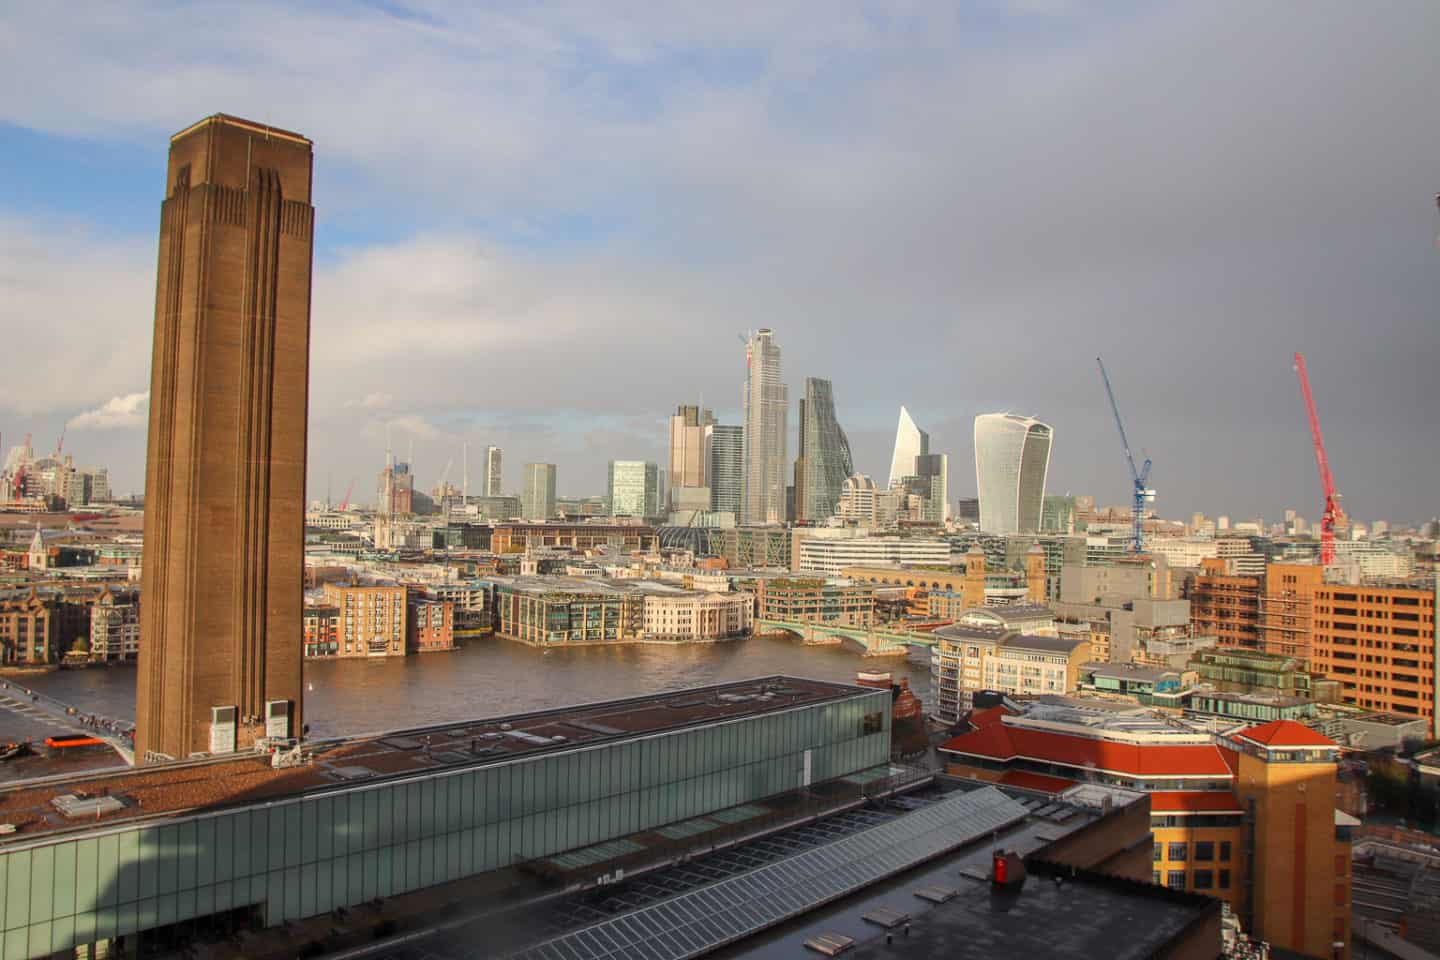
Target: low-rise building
{"type": "Point", "coordinates": [967, 659]}
{"type": "Point", "coordinates": [371, 619]}
{"type": "Point", "coordinates": [1248, 818]}
{"type": "Point", "coordinates": [115, 626]}
{"type": "Point", "coordinates": [816, 553]}
{"type": "Point", "coordinates": [429, 625]}
{"type": "Point", "coordinates": [696, 616]}
{"type": "Point", "coordinates": [29, 630]}
{"type": "Point", "coordinates": [814, 600]}
{"type": "Point", "coordinates": [1149, 686]}
{"type": "Point", "coordinates": [618, 537]}
{"type": "Point", "coordinates": [321, 626]}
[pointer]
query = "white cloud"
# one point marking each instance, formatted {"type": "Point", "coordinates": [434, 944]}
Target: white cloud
{"type": "Point", "coordinates": [117, 413]}
{"type": "Point", "coordinates": [376, 401]}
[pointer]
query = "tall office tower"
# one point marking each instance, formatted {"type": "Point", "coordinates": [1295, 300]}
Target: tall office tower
{"type": "Point", "coordinates": [225, 471]}
{"type": "Point", "coordinates": [727, 468]}
{"type": "Point", "coordinates": [824, 462]}
{"type": "Point", "coordinates": [633, 489]}
{"type": "Point", "coordinates": [1012, 456]}
{"type": "Point", "coordinates": [493, 476]}
{"type": "Point", "coordinates": [910, 442]}
{"type": "Point", "coordinates": [765, 413]}
{"type": "Point", "coordinates": [932, 471]}
{"type": "Point", "coordinates": [395, 496]}
{"type": "Point", "coordinates": [537, 496]}
{"type": "Point", "coordinates": [689, 450]}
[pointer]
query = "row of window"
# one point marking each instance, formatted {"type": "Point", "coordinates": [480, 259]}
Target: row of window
{"type": "Point", "coordinates": [1199, 879]}
{"type": "Point", "coordinates": [1203, 850]}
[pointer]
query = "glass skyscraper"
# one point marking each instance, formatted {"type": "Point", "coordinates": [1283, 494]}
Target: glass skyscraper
{"type": "Point", "coordinates": [765, 412]}
{"type": "Point", "coordinates": [727, 468]}
{"type": "Point", "coordinates": [537, 496]}
{"type": "Point", "coordinates": [1012, 456]}
{"type": "Point", "coordinates": [910, 442]}
{"type": "Point", "coordinates": [824, 462]}
{"type": "Point", "coordinates": [915, 470]}
{"type": "Point", "coordinates": [633, 489]}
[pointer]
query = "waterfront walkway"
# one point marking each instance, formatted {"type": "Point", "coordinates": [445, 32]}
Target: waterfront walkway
{"type": "Point", "coordinates": [45, 710]}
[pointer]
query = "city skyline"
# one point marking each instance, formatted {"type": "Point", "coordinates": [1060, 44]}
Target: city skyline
{"type": "Point", "coordinates": [1206, 239]}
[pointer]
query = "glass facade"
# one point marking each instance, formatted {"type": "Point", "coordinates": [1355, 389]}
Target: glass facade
{"type": "Point", "coordinates": [305, 856]}
{"type": "Point", "coordinates": [824, 453]}
{"type": "Point", "coordinates": [727, 468]}
{"type": "Point", "coordinates": [1012, 457]}
{"type": "Point", "coordinates": [633, 489]}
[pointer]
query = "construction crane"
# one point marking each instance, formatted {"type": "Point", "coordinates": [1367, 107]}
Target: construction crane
{"type": "Point", "coordinates": [1142, 494]}
{"type": "Point", "coordinates": [1334, 513]}
{"type": "Point", "coordinates": [345, 504]}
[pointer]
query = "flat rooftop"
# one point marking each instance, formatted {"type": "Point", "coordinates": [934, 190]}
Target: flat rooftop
{"type": "Point", "coordinates": [194, 786]}
{"type": "Point", "coordinates": [1081, 916]}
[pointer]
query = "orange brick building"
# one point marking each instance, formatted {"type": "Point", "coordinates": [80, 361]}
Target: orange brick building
{"type": "Point", "coordinates": [430, 625]}
{"type": "Point", "coordinates": [1226, 606]}
{"type": "Point", "coordinates": [1285, 608]}
{"type": "Point", "coordinates": [1379, 642]}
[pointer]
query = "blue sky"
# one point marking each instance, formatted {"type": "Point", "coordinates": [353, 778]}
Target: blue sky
{"type": "Point", "coordinates": [543, 226]}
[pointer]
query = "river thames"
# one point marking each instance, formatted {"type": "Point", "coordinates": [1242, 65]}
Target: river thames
{"type": "Point", "coordinates": [489, 678]}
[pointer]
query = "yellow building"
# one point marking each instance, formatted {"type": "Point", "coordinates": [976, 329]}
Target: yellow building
{"type": "Point", "coordinates": [371, 619]}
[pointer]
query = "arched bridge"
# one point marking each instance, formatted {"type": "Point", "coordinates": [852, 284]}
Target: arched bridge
{"type": "Point", "coordinates": [879, 641]}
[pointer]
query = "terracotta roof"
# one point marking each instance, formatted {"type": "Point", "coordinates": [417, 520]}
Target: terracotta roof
{"type": "Point", "coordinates": [1286, 733]}
{"type": "Point", "coordinates": [1194, 801]}
{"type": "Point", "coordinates": [1000, 741]}
{"type": "Point", "coordinates": [987, 716]}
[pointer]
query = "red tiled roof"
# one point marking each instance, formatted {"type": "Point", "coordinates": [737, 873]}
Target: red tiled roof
{"type": "Point", "coordinates": [1286, 733]}
{"type": "Point", "coordinates": [1034, 781]}
{"type": "Point", "coordinates": [987, 716]}
{"type": "Point", "coordinates": [1001, 741]}
{"type": "Point", "coordinates": [1194, 801]}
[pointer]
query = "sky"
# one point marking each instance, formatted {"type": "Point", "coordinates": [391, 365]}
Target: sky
{"type": "Point", "coordinates": [543, 225]}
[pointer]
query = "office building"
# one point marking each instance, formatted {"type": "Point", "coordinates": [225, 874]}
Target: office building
{"type": "Point", "coordinates": [1012, 457]}
{"type": "Point", "coordinates": [830, 555]}
{"type": "Point", "coordinates": [617, 538]}
{"type": "Point", "coordinates": [1379, 643]}
{"type": "Point", "coordinates": [395, 490]}
{"type": "Point", "coordinates": [864, 505]}
{"type": "Point", "coordinates": [493, 485]}
{"type": "Point", "coordinates": [970, 657]}
{"type": "Point", "coordinates": [910, 442]}
{"type": "Point", "coordinates": [810, 600]}
{"type": "Point", "coordinates": [690, 431]}
{"type": "Point", "coordinates": [225, 469]}
{"type": "Point", "coordinates": [765, 415]}
{"type": "Point", "coordinates": [916, 472]}
{"type": "Point", "coordinates": [824, 460]}
{"type": "Point", "coordinates": [537, 494]}
{"type": "Point", "coordinates": [727, 469]}
{"type": "Point", "coordinates": [632, 489]}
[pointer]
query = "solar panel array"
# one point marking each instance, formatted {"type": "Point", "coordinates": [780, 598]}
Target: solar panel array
{"type": "Point", "coordinates": [696, 922]}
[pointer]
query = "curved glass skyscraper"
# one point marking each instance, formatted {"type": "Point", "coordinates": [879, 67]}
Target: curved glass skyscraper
{"type": "Point", "coordinates": [824, 462]}
{"type": "Point", "coordinates": [1012, 456]}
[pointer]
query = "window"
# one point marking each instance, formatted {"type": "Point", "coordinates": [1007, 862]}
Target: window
{"type": "Point", "coordinates": [1224, 849]}
{"type": "Point", "coordinates": [874, 723]}
{"type": "Point", "coordinates": [1204, 850]}
{"type": "Point", "coordinates": [1156, 877]}
{"type": "Point", "coordinates": [1175, 879]}
{"type": "Point", "coordinates": [1159, 853]}
{"type": "Point", "coordinates": [1178, 851]}
{"type": "Point", "coordinates": [1224, 879]}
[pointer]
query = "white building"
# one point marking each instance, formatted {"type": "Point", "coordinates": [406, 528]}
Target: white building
{"type": "Point", "coordinates": [1012, 458]}
{"type": "Point", "coordinates": [765, 415]}
{"type": "Point", "coordinates": [862, 504]}
{"type": "Point", "coordinates": [114, 628]}
{"type": "Point", "coordinates": [831, 555]}
{"type": "Point", "coordinates": [697, 616]}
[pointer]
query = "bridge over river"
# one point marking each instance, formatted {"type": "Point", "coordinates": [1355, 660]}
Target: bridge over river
{"type": "Point", "coordinates": [887, 640]}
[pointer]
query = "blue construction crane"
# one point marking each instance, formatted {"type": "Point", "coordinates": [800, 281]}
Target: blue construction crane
{"type": "Point", "coordinates": [1142, 493]}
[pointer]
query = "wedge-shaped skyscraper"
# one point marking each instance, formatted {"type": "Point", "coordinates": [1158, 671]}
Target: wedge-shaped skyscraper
{"type": "Point", "coordinates": [1012, 456]}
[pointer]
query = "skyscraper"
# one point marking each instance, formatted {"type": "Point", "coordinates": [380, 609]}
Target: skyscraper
{"type": "Point", "coordinates": [1012, 456]}
{"type": "Point", "coordinates": [689, 450]}
{"type": "Point", "coordinates": [225, 471]}
{"type": "Point", "coordinates": [914, 470]}
{"type": "Point", "coordinates": [910, 442]}
{"type": "Point", "coordinates": [493, 476]}
{"type": "Point", "coordinates": [633, 489]}
{"type": "Point", "coordinates": [727, 468]}
{"type": "Point", "coordinates": [824, 462]}
{"type": "Point", "coordinates": [765, 413]}
{"type": "Point", "coordinates": [537, 496]}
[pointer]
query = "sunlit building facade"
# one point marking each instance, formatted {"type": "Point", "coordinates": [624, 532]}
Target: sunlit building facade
{"type": "Point", "coordinates": [766, 413]}
{"type": "Point", "coordinates": [1012, 457]}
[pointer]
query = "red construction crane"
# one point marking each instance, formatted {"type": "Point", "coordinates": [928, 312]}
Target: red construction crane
{"type": "Point", "coordinates": [1334, 513]}
{"type": "Point", "coordinates": [345, 504]}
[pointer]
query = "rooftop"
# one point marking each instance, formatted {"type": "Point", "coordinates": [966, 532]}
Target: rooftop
{"type": "Point", "coordinates": [173, 789]}
{"type": "Point", "coordinates": [1285, 733]}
